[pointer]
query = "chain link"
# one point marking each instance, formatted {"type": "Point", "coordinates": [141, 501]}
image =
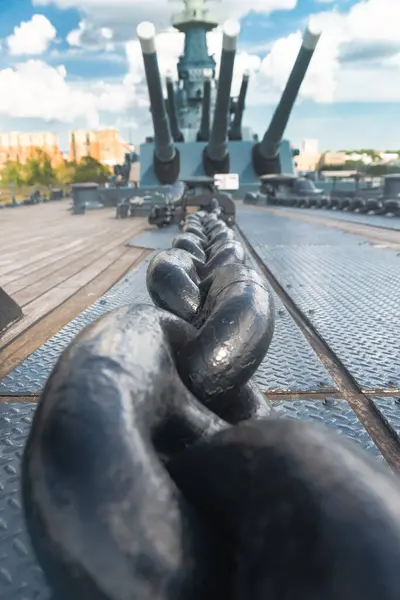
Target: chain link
{"type": "Point", "coordinates": [156, 469]}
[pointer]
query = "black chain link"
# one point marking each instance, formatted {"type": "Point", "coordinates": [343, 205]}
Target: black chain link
{"type": "Point", "coordinates": [155, 468]}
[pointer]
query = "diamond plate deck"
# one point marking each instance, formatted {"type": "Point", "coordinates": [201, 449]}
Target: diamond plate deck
{"type": "Point", "coordinates": [351, 297]}
{"type": "Point", "coordinates": [389, 409]}
{"type": "Point", "coordinates": [335, 414]}
{"type": "Point", "coordinates": [261, 227]}
{"type": "Point", "coordinates": [290, 364]}
{"type": "Point", "coordinates": [155, 239]}
{"type": "Point", "coordinates": [349, 292]}
{"type": "Point", "coordinates": [381, 221]}
{"type": "Point", "coordinates": [20, 576]}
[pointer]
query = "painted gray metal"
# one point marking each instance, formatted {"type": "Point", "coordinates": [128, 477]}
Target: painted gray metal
{"type": "Point", "coordinates": [20, 576]}
{"type": "Point", "coordinates": [191, 164]}
{"type": "Point", "coordinates": [269, 146]}
{"type": "Point", "coordinates": [163, 141]}
{"type": "Point", "coordinates": [217, 147]}
{"type": "Point", "coordinates": [235, 132]}
{"type": "Point", "coordinates": [195, 67]}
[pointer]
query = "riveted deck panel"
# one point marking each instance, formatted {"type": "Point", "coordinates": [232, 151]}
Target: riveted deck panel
{"type": "Point", "coordinates": [20, 576]}
{"type": "Point", "coordinates": [290, 364]}
{"type": "Point", "coordinates": [349, 292]}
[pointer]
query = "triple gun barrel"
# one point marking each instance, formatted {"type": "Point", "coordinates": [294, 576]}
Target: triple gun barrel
{"type": "Point", "coordinates": [265, 153]}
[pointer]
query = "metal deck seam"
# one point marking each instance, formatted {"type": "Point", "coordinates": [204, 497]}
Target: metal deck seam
{"type": "Point", "coordinates": [370, 418]}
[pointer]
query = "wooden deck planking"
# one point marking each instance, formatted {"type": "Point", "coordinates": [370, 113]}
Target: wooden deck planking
{"type": "Point", "coordinates": [31, 273]}
{"type": "Point", "coordinates": [23, 291]}
{"type": "Point", "coordinates": [34, 337]}
{"type": "Point", "coordinates": [60, 271]}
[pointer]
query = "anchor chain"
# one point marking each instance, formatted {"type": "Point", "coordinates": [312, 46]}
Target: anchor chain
{"type": "Point", "coordinates": [156, 469]}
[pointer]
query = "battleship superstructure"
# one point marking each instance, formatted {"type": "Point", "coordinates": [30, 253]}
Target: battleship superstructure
{"type": "Point", "coordinates": [198, 129]}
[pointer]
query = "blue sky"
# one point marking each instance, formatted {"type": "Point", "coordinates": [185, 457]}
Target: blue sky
{"type": "Point", "coordinates": [76, 64]}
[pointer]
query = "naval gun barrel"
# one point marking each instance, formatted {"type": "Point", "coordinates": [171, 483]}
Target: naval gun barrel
{"type": "Point", "coordinates": [166, 158]}
{"type": "Point", "coordinates": [268, 148]}
{"type": "Point", "coordinates": [173, 119]}
{"type": "Point", "coordinates": [204, 131]}
{"type": "Point", "coordinates": [216, 157]}
{"type": "Point", "coordinates": [235, 132]}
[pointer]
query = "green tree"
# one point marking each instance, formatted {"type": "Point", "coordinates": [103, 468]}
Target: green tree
{"type": "Point", "coordinates": [91, 170]}
{"type": "Point", "coordinates": [65, 172]}
{"type": "Point", "coordinates": [13, 173]}
{"type": "Point", "coordinates": [382, 169]}
{"type": "Point", "coordinates": [39, 170]}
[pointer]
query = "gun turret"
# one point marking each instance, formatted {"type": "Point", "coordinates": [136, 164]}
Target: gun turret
{"type": "Point", "coordinates": [235, 132]}
{"type": "Point", "coordinates": [166, 157]}
{"type": "Point", "coordinates": [173, 119]}
{"type": "Point", "coordinates": [215, 155]}
{"type": "Point", "coordinates": [265, 153]}
{"type": "Point", "coordinates": [204, 131]}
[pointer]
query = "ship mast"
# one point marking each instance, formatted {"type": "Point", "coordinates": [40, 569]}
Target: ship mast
{"type": "Point", "coordinates": [195, 65]}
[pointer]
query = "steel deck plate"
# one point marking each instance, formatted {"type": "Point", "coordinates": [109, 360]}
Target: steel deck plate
{"type": "Point", "coordinates": [261, 227]}
{"type": "Point", "coordinates": [351, 296]}
{"type": "Point", "coordinates": [20, 576]}
{"type": "Point", "coordinates": [381, 221]}
{"type": "Point", "coordinates": [289, 365]}
{"type": "Point", "coordinates": [293, 365]}
{"type": "Point", "coordinates": [389, 409]}
{"type": "Point", "coordinates": [155, 239]}
{"type": "Point", "coordinates": [335, 414]}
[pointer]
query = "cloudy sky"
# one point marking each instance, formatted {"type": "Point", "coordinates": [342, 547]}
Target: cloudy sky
{"type": "Point", "coordinates": [76, 63]}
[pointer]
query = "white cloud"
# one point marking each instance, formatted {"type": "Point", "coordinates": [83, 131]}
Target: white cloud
{"type": "Point", "coordinates": [122, 16]}
{"type": "Point", "coordinates": [32, 37]}
{"type": "Point", "coordinates": [372, 23]}
{"type": "Point", "coordinates": [34, 89]}
{"type": "Point", "coordinates": [267, 76]}
{"type": "Point", "coordinates": [369, 31]}
{"type": "Point", "coordinates": [320, 81]}
{"type": "Point", "coordinates": [90, 37]}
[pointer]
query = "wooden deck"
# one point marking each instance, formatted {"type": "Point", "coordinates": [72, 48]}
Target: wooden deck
{"type": "Point", "coordinates": [54, 265]}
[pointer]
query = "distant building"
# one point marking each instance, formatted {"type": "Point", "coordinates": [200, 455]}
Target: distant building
{"type": "Point", "coordinates": [309, 156]}
{"type": "Point", "coordinates": [20, 147]}
{"type": "Point", "coordinates": [332, 158]}
{"type": "Point", "coordinates": [310, 147]}
{"type": "Point", "coordinates": [387, 157]}
{"type": "Point", "coordinates": [103, 145]}
{"type": "Point", "coordinates": [366, 159]}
